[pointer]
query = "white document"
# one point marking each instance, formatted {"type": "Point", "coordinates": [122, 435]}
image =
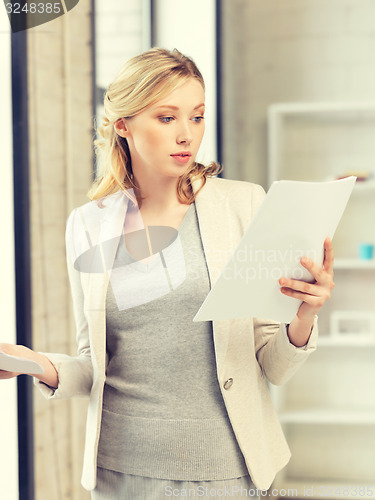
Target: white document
{"type": "Point", "coordinates": [19, 365]}
{"type": "Point", "coordinates": [293, 221]}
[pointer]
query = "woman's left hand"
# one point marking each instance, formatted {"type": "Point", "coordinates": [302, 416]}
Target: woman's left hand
{"type": "Point", "coordinates": [313, 295]}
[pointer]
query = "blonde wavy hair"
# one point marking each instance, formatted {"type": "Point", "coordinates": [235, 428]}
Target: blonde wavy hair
{"type": "Point", "coordinates": [141, 82]}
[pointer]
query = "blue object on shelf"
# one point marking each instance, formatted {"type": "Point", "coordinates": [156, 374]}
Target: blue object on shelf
{"type": "Point", "coordinates": [366, 251]}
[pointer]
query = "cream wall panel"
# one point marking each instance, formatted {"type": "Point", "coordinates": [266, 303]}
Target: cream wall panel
{"type": "Point", "coordinates": [8, 388]}
{"type": "Point", "coordinates": [60, 108]}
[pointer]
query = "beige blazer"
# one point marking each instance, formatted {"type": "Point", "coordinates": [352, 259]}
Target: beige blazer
{"type": "Point", "coordinates": [248, 351]}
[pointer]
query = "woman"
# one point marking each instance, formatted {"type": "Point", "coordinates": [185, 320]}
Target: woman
{"type": "Point", "coordinates": [174, 405]}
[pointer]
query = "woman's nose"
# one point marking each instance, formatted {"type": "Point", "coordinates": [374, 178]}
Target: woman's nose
{"type": "Point", "coordinates": [184, 136]}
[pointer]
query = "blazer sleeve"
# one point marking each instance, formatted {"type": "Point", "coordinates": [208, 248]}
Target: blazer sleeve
{"type": "Point", "coordinates": [278, 358]}
{"type": "Point", "coordinates": [75, 373]}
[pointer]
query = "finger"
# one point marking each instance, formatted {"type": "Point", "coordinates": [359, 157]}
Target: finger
{"type": "Point", "coordinates": [313, 300]}
{"type": "Point", "coordinates": [328, 256]}
{"type": "Point", "coordinates": [322, 276]}
{"type": "Point", "coordinates": [299, 285]}
{"type": "Point", "coordinates": [313, 268]}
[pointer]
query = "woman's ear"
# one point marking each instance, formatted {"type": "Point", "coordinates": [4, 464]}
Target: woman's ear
{"type": "Point", "coordinates": [121, 127]}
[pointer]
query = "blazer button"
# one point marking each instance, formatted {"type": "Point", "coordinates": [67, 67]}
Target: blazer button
{"type": "Point", "coordinates": [228, 383]}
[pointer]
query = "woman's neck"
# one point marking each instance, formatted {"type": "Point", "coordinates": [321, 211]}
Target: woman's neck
{"type": "Point", "coordinates": [160, 198]}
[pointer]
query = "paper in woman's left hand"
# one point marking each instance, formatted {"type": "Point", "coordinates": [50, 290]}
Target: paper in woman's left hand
{"type": "Point", "coordinates": [293, 221]}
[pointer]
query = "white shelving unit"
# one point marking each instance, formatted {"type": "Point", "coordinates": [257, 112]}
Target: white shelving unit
{"type": "Point", "coordinates": [354, 263]}
{"type": "Point", "coordinates": [321, 416]}
{"type": "Point", "coordinates": [327, 409]}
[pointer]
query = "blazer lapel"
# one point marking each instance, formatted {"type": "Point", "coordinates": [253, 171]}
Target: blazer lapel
{"type": "Point", "coordinates": [213, 213]}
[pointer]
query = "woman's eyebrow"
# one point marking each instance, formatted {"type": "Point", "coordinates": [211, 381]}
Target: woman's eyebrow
{"type": "Point", "coordinates": [176, 108]}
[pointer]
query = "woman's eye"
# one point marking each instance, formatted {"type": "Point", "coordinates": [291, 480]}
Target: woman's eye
{"type": "Point", "coordinates": [166, 119]}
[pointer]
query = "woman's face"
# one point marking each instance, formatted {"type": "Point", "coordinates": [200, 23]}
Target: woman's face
{"type": "Point", "coordinates": [164, 138]}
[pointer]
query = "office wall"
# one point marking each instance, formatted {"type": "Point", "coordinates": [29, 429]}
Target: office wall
{"type": "Point", "coordinates": [289, 50]}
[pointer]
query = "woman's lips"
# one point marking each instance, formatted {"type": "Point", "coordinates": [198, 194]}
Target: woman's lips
{"type": "Point", "coordinates": [182, 158]}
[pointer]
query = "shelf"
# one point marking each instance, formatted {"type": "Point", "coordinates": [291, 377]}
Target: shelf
{"type": "Point", "coordinates": [320, 107]}
{"type": "Point", "coordinates": [324, 489]}
{"type": "Point", "coordinates": [360, 186]}
{"type": "Point", "coordinates": [326, 340]}
{"type": "Point", "coordinates": [354, 264]}
{"type": "Point", "coordinates": [327, 416]}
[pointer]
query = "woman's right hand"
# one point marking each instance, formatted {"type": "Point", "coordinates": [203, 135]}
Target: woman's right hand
{"type": "Point", "coordinates": [49, 377]}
